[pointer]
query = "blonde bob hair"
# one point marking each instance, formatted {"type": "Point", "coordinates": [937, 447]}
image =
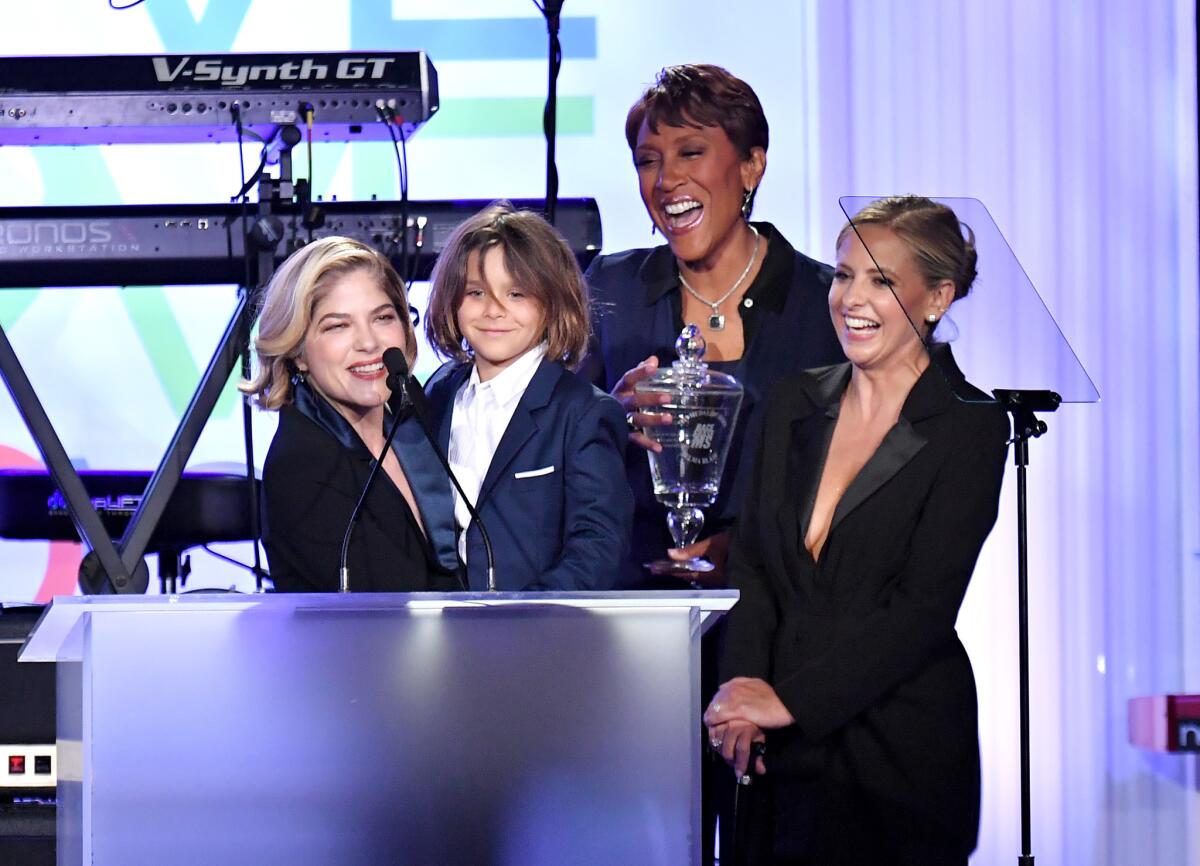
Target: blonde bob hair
{"type": "Point", "coordinates": [292, 295]}
{"type": "Point", "coordinates": [540, 262]}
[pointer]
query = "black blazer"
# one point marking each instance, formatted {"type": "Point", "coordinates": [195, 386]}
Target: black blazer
{"type": "Point", "coordinates": [638, 312]}
{"type": "Point", "coordinates": [861, 646]}
{"type": "Point", "coordinates": [312, 477]}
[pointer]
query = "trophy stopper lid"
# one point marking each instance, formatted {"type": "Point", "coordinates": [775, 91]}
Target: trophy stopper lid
{"type": "Point", "coordinates": [689, 374]}
{"type": "Point", "coordinates": [690, 345]}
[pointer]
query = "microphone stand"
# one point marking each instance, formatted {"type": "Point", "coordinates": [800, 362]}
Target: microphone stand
{"type": "Point", "coordinates": [343, 569]}
{"type": "Point", "coordinates": [1022, 405]}
{"type": "Point", "coordinates": [399, 377]}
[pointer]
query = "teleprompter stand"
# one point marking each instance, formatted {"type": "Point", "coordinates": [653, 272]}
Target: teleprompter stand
{"type": "Point", "coordinates": [1023, 406]}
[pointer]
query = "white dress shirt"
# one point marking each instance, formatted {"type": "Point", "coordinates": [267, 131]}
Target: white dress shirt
{"type": "Point", "coordinates": [482, 411]}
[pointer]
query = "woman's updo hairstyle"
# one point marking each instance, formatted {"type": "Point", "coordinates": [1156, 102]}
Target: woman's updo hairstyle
{"type": "Point", "coordinates": [943, 246]}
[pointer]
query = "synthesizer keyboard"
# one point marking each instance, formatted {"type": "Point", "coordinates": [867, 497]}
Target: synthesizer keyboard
{"type": "Point", "coordinates": [175, 98]}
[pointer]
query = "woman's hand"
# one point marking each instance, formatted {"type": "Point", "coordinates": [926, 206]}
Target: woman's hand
{"type": "Point", "coordinates": [748, 699]}
{"type": "Point", "coordinates": [715, 549]}
{"type": "Point", "coordinates": [635, 404]}
{"type": "Point", "coordinates": [733, 741]}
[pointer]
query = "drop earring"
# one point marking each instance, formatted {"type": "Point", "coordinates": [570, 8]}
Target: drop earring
{"type": "Point", "coordinates": [747, 199]}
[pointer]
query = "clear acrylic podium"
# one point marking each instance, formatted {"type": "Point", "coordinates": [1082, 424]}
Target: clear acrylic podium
{"type": "Point", "coordinates": [394, 729]}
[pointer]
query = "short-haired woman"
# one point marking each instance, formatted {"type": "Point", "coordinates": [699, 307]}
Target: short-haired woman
{"type": "Point", "coordinates": [698, 137]}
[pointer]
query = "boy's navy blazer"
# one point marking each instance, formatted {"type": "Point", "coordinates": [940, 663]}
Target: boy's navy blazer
{"type": "Point", "coordinates": [554, 500]}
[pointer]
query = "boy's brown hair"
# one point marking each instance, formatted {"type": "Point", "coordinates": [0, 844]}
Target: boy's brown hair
{"type": "Point", "coordinates": [539, 261]}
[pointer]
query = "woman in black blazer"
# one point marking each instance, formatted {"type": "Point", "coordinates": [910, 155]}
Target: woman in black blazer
{"type": "Point", "coordinates": [328, 315]}
{"type": "Point", "coordinates": [877, 484]}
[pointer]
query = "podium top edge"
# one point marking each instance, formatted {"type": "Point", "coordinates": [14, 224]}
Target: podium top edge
{"type": "Point", "coordinates": [56, 636]}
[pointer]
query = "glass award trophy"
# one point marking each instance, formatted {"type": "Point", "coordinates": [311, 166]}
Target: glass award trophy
{"type": "Point", "coordinates": [703, 407]}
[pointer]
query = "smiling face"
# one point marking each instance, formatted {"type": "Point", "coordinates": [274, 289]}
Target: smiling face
{"type": "Point", "coordinates": [500, 319]}
{"type": "Point", "coordinates": [869, 317]}
{"type": "Point", "coordinates": [353, 322]}
{"type": "Point", "coordinates": [692, 182]}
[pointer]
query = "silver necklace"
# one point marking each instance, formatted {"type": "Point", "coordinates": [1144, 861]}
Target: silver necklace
{"type": "Point", "coordinates": [716, 321]}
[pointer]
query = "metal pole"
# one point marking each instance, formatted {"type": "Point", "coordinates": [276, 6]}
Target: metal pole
{"type": "Point", "coordinates": [1021, 458]}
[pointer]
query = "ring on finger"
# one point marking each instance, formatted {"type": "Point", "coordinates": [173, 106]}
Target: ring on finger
{"type": "Point", "coordinates": [629, 422]}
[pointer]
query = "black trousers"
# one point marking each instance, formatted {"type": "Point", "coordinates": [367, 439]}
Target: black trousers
{"type": "Point", "coordinates": [814, 823]}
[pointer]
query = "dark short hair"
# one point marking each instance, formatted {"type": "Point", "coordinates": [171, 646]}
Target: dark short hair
{"type": "Point", "coordinates": [699, 94]}
{"type": "Point", "coordinates": [540, 262]}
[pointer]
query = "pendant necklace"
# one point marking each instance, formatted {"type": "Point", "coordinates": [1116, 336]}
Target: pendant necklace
{"type": "Point", "coordinates": [716, 321]}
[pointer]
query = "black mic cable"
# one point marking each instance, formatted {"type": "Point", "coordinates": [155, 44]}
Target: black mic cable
{"type": "Point", "coordinates": [397, 366]}
{"type": "Point", "coordinates": [343, 569]}
{"type": "Point", "coordinates": [552, 11]}
{"type": "Point", "coordinates": [285, 138]}
{"type": "Point", "coordinates": [393, 124]}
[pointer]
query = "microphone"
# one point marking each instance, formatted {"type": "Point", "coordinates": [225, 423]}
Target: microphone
{"type": "Point", "coordinates": [398, 377]}
{"type": "Point", "coordinates": [397, 416]}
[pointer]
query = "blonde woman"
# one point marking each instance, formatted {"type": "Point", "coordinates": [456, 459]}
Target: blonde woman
{"type": "Point", "coordinates": [327, 316]}
{"type": "Point", "coordinates": [875, 489]}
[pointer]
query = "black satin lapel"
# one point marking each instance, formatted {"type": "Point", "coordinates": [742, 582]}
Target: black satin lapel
{"type": "Point", "coordinates": [806, 458]}
{"type": "Point", "coordinates": [900, 445]}
{"type": "Point", "coordinates": [430, 488]}
{"type": "Point", "coordinates": [810, 447]}
{"type": "Point", "coordinates": [321, 412]}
